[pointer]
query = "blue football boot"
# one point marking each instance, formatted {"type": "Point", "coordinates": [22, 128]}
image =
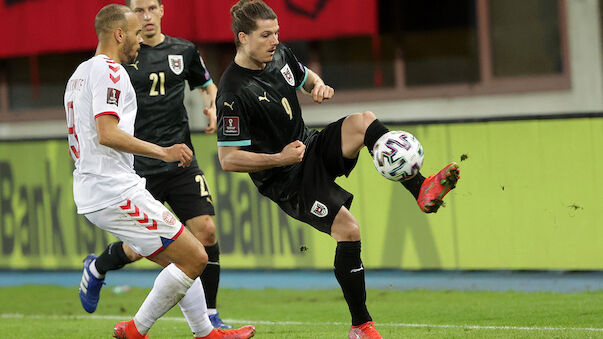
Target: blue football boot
{"type": "Point", "coordinates": [90, 286]}
{"type": "Point", "coordinates": [218, 323]}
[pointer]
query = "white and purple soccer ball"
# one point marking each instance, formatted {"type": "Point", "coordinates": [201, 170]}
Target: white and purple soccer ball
{"type": "Point", "coordinates": [398, 155]}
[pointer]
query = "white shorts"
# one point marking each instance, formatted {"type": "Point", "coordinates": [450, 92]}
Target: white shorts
{"type": "Point", "coordinates": [140, 221]}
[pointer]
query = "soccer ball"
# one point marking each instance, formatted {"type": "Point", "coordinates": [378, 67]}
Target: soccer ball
{"type": "Point", "coordinates": [398, 155]}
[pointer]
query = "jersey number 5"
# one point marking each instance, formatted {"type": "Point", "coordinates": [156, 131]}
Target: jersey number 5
{"type": "Point", "coordinates": [157, 78]}
{"type": "Point", "coordinates": [74, 142]}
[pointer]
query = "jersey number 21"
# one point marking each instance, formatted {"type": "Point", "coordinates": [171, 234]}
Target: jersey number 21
{"type": "Point", "coordinates": [157, 78]}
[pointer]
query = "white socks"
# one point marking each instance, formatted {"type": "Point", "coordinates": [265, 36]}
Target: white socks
{"type": "Point", "coordinates": [195, 310]}
{"type": "Point", "coordinates": [94, 271]}
{"type": "Point", "coordinates": [170, 286]}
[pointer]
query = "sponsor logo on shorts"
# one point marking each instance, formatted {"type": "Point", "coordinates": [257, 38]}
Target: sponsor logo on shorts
{"type": "Point", "coordinates": [231, 126]}
{"type": "Point", "coordinates": [113, 96]}
{"type": "Point", "coordinates": [169, 218]}
{"type": "Point", "coordinates": [319, 209]}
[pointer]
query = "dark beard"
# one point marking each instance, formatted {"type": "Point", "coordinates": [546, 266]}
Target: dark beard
{"type": "Point", "coordinates": [126, 50]}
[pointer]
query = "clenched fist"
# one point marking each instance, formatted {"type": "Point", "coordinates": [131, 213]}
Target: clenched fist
{"type": "Point", "coordinates": [178, 152]}
{"type": "Point", "coordinates": [293, 153]}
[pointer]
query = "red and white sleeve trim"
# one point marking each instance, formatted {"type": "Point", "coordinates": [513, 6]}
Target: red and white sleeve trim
{"type": "Point", "coordinates": [107, 113]}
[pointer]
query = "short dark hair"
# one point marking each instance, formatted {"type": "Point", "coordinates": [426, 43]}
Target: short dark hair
{"type": "Point", "coordinates": [129, 2]}
{"type": "Point", "coordinates": [111, 17]}
{"type": "Point", "coordinates": [244, 15]}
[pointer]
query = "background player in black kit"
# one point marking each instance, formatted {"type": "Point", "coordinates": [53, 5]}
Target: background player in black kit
{"type": "Point", "coordinates": [158, 75]}
{"type": "Point", "coordinates": [261, 131]}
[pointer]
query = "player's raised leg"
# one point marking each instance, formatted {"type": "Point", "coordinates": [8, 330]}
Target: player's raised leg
{"type": "Point", "coordinates": [436, 186]}
{"type": "Point", "coordinates": [364, 129]}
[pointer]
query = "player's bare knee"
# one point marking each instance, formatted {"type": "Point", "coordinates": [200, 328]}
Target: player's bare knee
{"type": "Point", "coordinates": [130, 253]}
{"type": "Point", "coordinates": [209, 238]}
{"type": "Point", "coordinates": [352, 234]}
{"type": "Point", "coordinates": [361, 121]}
{"type": "Point", "coordinates": [365, 119]}
{"type": "Point", "coordinates": [209, 233]}
{"type": "Point", "coordinates": [198, 261]}
{"type": "Point", "coordinates": [345, 226]}
{"type": "Point", "coordinates": [368, 117]}
{"type": "Point", "coordinates": [348, 231]}
{"type": "Point", "coordinates": [204, 229]}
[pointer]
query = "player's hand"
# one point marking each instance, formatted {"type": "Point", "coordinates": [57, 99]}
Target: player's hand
{"type": "Point", "coordinates": [293, 153]}
{"type": "Point", "coordinates": [322, 92]}
{"type": "Point", "coordinates": [210, 113]}
{"type": "Point", "coordinates": [179, 152]}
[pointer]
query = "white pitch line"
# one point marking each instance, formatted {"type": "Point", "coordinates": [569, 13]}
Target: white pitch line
{"type": "Point", "coordinates": [302, 323]}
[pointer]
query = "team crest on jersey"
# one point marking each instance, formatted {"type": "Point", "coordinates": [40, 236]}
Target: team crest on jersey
{"type": "Point", "coordinates": [319, 209]}
{"type": "Point", "coordinates": [288, 75]}
{"type": "Point", "coordinates": [176, 63]}
{"type": "Point", "coordinates": [113, 96]}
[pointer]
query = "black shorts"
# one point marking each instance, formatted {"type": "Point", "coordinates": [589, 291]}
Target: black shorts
{"type": "Point", "coordinates": [315, 198]}
{"type": "Point", "coordinates": [184, 189]}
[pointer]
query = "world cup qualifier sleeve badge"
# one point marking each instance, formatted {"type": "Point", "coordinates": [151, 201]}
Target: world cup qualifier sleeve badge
{"type": "Point", "coordinates": [176, 63]}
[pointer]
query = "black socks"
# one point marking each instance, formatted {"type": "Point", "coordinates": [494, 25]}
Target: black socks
{"type": "Point", "coordinates": [113, 258]}
{"type": "Point", "coordinates": [350, 275]}
{"type": "Point", "coordinates": [210, 278]}
{"type": "Point", "coordinates": [373, 132]}
{"type": "Point", "coordinates": [413, 185]}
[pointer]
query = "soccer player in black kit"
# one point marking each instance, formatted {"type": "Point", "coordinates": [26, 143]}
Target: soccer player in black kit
{"type": "Point", "coordinates": [261, 131]}
{"type": "Point", "coordinates": [158, 75]}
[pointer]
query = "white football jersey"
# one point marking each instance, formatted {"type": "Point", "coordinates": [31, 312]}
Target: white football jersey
{"type": "Point", "coordinates": [102, 175]}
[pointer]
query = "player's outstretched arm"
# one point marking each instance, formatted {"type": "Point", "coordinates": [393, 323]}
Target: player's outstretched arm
{"type": "Point", "coordinates": [112, 136]}
{"type": "Point", "coordinates": [234, 159]}
{"type": "Point", "coordinates": [317, 88]}
{"type": "Point", "coordinates": [208, 94]}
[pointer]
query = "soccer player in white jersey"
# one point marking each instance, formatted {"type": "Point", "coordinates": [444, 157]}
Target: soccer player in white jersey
{"type": "Point", "coordinates": [100, 103]}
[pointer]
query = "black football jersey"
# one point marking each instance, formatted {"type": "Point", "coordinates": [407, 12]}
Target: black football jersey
{"type": "Point", "coordinates": [259, 111]}
{"type": "Point", "coordinates": [158, 76]}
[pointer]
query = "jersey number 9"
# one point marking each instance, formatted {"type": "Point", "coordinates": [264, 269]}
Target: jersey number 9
{"type": "Point", "coordinates": [287, 108]}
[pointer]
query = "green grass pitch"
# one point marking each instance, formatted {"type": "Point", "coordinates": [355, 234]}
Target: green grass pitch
{"type": "Point", "coordinates": [55, 312]}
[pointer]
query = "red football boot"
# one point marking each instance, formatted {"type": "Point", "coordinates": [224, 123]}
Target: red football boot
{"type": "Point", "coordinates": [239, 333]}
{"type": "Point", "coordinates": [364, 331]}
{"type": "Point", "coordinates": [437, 186]}
{"type": "Point", "coordinates": [127, 330]}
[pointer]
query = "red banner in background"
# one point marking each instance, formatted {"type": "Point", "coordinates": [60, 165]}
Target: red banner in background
{"type": "Point", "coordinates": [57, 26]}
